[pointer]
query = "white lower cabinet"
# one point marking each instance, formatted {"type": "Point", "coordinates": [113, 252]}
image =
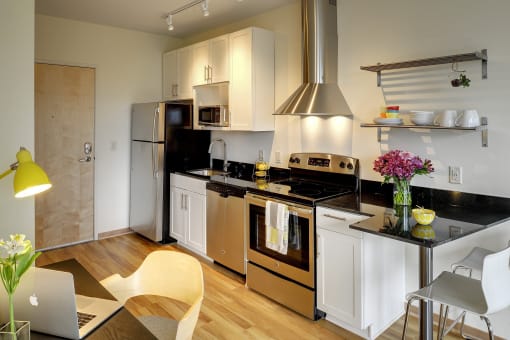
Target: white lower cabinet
{"type": "Point", "coordinates": [188, 212]}
{"type": "Point", "coordinates": [360, 276]}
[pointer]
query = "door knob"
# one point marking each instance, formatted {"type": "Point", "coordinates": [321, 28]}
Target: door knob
{"type": "Point", "coordinates": [85, 159]}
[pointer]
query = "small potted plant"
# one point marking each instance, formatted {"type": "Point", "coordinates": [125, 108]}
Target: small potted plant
{"type": "Point", "coordinates": [16, 257]}
{"type": "Point", "coordinates": [462, 80]}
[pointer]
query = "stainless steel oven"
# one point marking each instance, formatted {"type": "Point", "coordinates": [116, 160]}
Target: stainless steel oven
{"type": "Point", "coordinates": [288, 279]}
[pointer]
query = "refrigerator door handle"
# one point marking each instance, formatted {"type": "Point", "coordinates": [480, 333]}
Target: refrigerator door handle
{"type": "Point", "coordinates": [154, 146]}
{"type": "Point", "coordinates": [155, 162]}
{"type": "Point", "coordinates": [154, 120]}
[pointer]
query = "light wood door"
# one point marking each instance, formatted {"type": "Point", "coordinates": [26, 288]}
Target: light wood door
{"type": "Point", "coordinates": [64, 122]}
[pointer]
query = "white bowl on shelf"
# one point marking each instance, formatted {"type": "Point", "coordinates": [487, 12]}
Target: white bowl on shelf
{"type": "Point", "coordinates": [422, 117]}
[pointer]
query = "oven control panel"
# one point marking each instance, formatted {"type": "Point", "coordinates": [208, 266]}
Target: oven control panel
{"type": "Point", "coordinates": [324, 162]}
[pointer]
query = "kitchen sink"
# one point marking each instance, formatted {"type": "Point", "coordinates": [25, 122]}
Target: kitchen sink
{"type": "Point", "coordinates": [208, 172]}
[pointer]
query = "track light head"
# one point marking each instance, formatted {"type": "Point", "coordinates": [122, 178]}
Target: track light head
{"type": "Point", "coordinates": [205, 8]}
{"type": "Point", "coordinates": [169, 22]}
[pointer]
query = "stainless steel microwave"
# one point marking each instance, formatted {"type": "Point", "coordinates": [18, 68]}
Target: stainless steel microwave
{"type": "Point", "coordinates": [217, 115]}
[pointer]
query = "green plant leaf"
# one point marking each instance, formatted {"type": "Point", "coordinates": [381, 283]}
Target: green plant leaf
{"type": "Point", "coordinates": [25, 262]}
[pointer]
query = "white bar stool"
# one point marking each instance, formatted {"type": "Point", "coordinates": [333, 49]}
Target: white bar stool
{"type": "Point", "coordinates": [471, 262]}
{"type": "Point", "coordinates": [480, 297]}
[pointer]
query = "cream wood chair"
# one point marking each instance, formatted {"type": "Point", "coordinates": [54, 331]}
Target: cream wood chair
{"type": "Point", "coordinates": [164, 273]}
{"type": "Point", "coordinates": [480, 297]}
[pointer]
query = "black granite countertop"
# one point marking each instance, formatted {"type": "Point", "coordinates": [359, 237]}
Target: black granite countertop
{"type": "Point", "coordinates": [458, 214]}
{"type": "Point", "coordinates": [240, 175]}
{"type": "Point", "coordinates": [235, 182]}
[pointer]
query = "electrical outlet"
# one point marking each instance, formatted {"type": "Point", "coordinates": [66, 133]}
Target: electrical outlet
{"type": "Point", "coordinates": [277, 158]}
{"type": "Point", "coordinates": [455, 174]}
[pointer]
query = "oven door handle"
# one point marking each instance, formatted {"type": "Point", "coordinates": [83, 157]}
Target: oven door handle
{"type": "Point", "coordinates": [261, 201]}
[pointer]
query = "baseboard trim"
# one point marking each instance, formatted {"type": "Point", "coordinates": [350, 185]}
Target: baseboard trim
{"type": "Point", "coordinates": [113, 233]}
{"type": "Point", "coordinates": [414, 311]}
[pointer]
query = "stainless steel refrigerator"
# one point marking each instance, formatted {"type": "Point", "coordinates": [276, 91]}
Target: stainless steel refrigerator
{"type": "Point", "coordinates": [162, 141]}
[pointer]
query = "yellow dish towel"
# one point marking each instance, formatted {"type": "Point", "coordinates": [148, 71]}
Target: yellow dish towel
{"type": "Point", "coordinates": [277, 227]}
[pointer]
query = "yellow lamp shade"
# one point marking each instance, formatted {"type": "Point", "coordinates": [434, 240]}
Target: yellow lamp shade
{"type": "Point", "coordinates": [30, 178]}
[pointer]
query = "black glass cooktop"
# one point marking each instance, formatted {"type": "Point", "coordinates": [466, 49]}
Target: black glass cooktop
{"type": "Point", "coordinates": [302, 190]}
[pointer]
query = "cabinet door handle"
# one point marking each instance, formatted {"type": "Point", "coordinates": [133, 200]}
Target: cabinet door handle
{"type": "Point", "coordinates": [210, 73]}
{"type": "Point", "coordinates": [205, 73]}
{"type": "Point", "coordinates": [182, 201]}
{"type": "Point", "coordinates": [335, 217]}
{"type": "Point", "coordinates": [185, 202]}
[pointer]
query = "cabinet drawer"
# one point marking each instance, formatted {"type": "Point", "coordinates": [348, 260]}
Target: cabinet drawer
{"type": "Point", "coordinates": [188, 183]}
{"type": "Point", "coordinates": [338, 221]}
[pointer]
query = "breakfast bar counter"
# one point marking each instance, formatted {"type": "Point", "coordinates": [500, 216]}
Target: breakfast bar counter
{"type": "Point", "coordinates": [457, 215]}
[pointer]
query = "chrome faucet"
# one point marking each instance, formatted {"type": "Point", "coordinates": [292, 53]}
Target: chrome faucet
{"type": "Point", "coordinates": [225, 166]}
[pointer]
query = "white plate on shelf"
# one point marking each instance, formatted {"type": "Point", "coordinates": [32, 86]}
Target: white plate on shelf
{"type": "Point", "coordinates": [389, 121]}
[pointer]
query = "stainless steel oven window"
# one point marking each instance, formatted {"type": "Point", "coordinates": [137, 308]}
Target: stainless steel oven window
{"type": "Point", "coordinates": [298, 251]}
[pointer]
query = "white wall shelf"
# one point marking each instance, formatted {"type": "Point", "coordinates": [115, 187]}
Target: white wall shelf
{"type": "Point", "coordinates": [450, 59]}
{"type": "Point", "coordinates": [482, 128]}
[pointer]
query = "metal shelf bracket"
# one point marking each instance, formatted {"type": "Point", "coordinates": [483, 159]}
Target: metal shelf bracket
{"type": "Point", "coordinates": [485, 132]}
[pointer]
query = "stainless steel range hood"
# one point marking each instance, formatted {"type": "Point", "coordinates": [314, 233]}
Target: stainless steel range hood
{"type": "Point", "coordinates": [319, 95]}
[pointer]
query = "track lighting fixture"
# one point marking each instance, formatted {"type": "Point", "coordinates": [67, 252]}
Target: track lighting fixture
{"type": "Point", "coordinates": [169, 22]}
{"type": "Point", "coordinates": [205, 8]}
{"type": "Point", "coordinates": [205, 11]}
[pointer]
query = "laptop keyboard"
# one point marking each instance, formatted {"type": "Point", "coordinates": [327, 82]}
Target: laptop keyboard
{"type": "Point", "coordinates": [84, 318]}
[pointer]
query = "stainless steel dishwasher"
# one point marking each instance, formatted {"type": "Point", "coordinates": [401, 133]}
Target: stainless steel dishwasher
{"type": "Point", "coordinates": [225, 226]}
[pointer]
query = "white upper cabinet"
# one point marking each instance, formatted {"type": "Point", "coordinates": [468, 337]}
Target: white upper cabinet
{"type": "Point", "coordinates": [177, 74]}
{"type": "Point", "coordinates": [170, 76]}
{"type": "Point", "coordinates": [251, 96]}
{"type": "Point", "coordinates": [211, 61]}
{"type": "Point", "coordinates": [244, 59]}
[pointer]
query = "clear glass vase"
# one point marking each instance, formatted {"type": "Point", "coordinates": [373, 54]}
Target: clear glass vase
{"type": "Point", "coordinates": [402, 192]}
{"type": "Point", "coordinates": [22, 331]}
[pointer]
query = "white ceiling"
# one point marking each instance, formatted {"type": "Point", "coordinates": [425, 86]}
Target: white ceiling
{"type": "Point", "coordinates": [149, 15]}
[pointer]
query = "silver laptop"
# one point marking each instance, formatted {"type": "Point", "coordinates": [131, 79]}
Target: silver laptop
{"type": "Point", "coordinates": [47, 299]}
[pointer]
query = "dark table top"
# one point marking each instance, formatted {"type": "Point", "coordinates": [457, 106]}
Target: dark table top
{"type": "Point", "coordinates": [121, 325]}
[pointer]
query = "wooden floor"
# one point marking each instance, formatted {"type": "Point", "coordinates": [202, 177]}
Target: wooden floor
{"type": "Point", "coordinates": [229, 310]}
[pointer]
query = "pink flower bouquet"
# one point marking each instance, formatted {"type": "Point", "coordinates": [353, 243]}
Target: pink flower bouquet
{"type": "Point", "coordinates": [401, 166]}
